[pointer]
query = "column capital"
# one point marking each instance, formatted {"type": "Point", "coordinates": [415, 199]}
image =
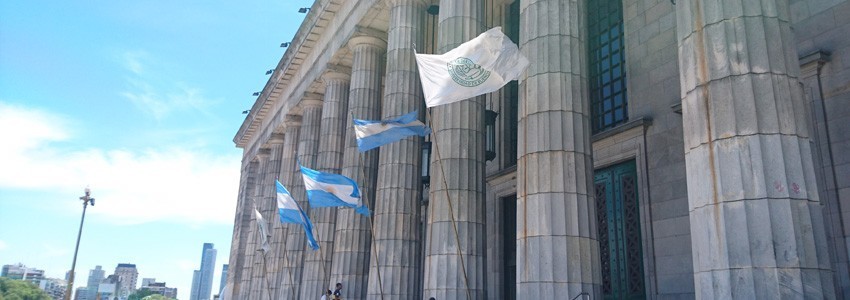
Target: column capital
{"type": "Point", "coordinates": [276, 138]}
{"type": "Point", "coordinates": [334, 75]}
{"type": "Point", "coordinates": [810, 63]}
{"type": "Point", "coordinates": [310, 102]}
{"type": "Point", "coordinates": [366, 41]}
{"type": "Point", "coordinates": [292, 120]}
{"type": "Point", "coordinates": [263, 154]}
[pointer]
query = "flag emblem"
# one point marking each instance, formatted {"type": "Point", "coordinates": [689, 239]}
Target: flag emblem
{"type": "Point", "coordinates": [466, 73]}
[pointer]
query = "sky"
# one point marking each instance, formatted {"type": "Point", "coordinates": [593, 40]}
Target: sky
{"type": "Point", "coordinates": [138, 100]}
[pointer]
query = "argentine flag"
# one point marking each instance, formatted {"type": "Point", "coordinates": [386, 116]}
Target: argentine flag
{"type": "Point", "coordinates": [290, 212]}
{"type": "Point", "coordinates": [331, 190]}
{"type": "Point", "coordinates": [373, 134]}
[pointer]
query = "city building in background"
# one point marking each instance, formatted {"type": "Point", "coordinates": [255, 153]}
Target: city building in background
{"type": "Point", "coordinates": [96, 276]}
{"type": "Point", "coordinates": [21, 272]}
{"type": "Point", "coordinates": [81, 293]}
{"type": "Point", "coordinates": [160, 288]}
{"type": "Point", "coordinates": [55, 288]}
{"type": "Point", "coordinates": [127, 276]}
{"type": "Point", "coordinates": [109, 288]}
{"type": "Point", "coordinates": [651, 150]}
{"type": "Point", "coordinates": [202, 280]}
{"type": "Point", "coordinates": [223, 280]}
{"type": "Point", "coordinates": [196, 284]}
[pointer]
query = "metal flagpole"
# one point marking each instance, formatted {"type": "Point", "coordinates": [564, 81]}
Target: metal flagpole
{"type": "Point", "coordinates": [451, 207]}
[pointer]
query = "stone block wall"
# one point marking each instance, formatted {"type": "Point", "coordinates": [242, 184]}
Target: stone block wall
{"type": "Point", "coordinates": [824, 26]}
{"type": "Point", "coordinates": [653, 88]}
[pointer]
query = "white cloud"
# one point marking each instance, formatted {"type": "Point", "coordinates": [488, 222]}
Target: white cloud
{"type": "Point", "coordinates": [167, 97]}
{"type": "Point", "coordinates": [131, 185]}
{"type": "Point", "coordinates": [3, 245]}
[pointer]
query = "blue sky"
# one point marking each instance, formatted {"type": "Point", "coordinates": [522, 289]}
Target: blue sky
{"type": "Point", "coordinates": [140, 101]}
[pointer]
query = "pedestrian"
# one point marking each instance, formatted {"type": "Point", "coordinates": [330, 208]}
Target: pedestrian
{"type": "Point", "coordinates": [338, 292]}
{"type": "Point", "coordinates": [326, 295]}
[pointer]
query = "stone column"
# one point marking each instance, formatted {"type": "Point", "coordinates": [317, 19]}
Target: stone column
{"type": "Point", "coordinates": [308, 147]}
{"type": "Point", "coordinates": [242, 226]}
{"type": "Point", "coordinates": [291, 179]}
{"type": "Point", "coordinates": [267, 205]}
{"type": "Point", "coordinates": [317, 264]}
{"type": "Point", "coordinates": [757, 227]}
{"type": "Point", "coordinates": [351, 252]}
{"type": "Point", "coordinates": [457, 175]}
{"type": "Point", "coordinates": [396, 210]}
{"type": "Point", "coordinates": [557, 249]}
{"type": "Point", "coordinates": [258, 269]}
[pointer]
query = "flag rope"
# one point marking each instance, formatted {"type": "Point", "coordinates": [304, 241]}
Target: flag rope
{"type": "Point", "coordinates": [451, 207]}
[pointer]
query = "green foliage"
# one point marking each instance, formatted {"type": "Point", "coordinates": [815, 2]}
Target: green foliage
{"type": "Point", "coordinates": [11, 289]}
{"type": "Point", "coordinates": [140, 294]}
{"type": "Point", "coordinates": [157, 297]}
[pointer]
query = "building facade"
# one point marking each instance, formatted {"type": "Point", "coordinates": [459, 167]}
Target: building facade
{"type": "Point", "coordinates": [96, 275]}
{"type": "Point", "coordinates": [223, 279]}
{"type": "Point", "coordinates": [158, 288]}
{"type": "Point", "coordinates": [653, 149]}
{"type": "Point", "coordinates": [128, 276]}
{"type": "Point", "coordinates": [21, 272]}
{"type": "Point", "coordinates": [202, 280]}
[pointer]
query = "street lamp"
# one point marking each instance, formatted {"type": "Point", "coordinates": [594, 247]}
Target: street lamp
{"type": "Point", "coordinates": [86, 199]}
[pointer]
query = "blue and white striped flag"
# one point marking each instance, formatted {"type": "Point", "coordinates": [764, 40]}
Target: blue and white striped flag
{"type": "Point", "coordinates": [290, 212]}
{"type": "Point", "coordinates": [373, 134]}
{"type": "Point", "coordinates": [332, 190]}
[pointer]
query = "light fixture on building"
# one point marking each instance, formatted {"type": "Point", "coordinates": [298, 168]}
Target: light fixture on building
{"type": "Point", "coordinates": [433, 10]}
{"type": "Point", "coordinates": [256, 93]}
{"type": "Point", "coordinates": [490, 134]}
{"type": "Point", "coordinates": [245, 112]}
{"type": "Point", "coordinates": [269, 72]}
{"type": "Point", "coordinates": [426, 163]}
{"type": "Point", "coordinates": [303, 10]}
{"type": "Point", "coordinates": [284, 45]}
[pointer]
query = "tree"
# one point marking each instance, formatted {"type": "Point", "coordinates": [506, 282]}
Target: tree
{"type": "Point", "coordinates": [157, 297]}
{"type": "Point", "coordinates": [11, 289]}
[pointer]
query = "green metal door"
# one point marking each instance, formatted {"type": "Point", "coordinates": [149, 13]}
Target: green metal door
{"type": "Point", "coordinates": [618, 226]}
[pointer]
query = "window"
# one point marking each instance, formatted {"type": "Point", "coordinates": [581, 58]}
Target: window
{"type": "Point", "coordinates": [606, 63]}
{"type": "Point", "coordinates": [511, 94]}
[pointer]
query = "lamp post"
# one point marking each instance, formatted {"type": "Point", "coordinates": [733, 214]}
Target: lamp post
{"type": "Point", "coordinates": [86, 199]}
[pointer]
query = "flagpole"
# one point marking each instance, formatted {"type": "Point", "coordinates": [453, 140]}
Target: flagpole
{"type": "Point", "coordinates": [451, 207]}
{"type": "Point", "coordinates": [365, 201]}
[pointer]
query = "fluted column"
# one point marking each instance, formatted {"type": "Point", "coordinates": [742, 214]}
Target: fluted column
{"type": "Point", "coordinates": [353, 233]}
{"type": "Point", "coordinates": [459, 159]}
{"type": "Point", "coordinates": [756, 221]}
{"type": "Point", "coordinates": [242, 268]}
{"type": "Point", "coordinates": [557, 246]}
{"type": "Point", "coordinates": [317, 264]}
{"type": "Point", "coordinates": [308, 147]}
{"type": "Point", "coordinates": [259, 260]}
{"type": "Point", "coordinates": [396, 210]}
{"type": "Point", "coordinates": [290, 178]}
{"type": "Point", "coordinates": [267, 203]}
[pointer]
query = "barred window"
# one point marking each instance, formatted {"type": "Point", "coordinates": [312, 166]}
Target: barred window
{"type": "Point", "coordinates": [606, 62]}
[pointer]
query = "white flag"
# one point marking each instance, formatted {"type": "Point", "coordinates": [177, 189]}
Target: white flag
{"type": "Point", "coordinates": [264, 231]}
{"type": "Point", "coordinates": [482, 65]}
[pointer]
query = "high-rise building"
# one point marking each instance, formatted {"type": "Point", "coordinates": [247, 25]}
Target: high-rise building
{"type": "Point", "coordinates": [81, 293]}
{"type": "Point", "coordinates": [109, 288]}
{"type": "Point", "coordinates": [651, 149]}
{"type": "Point", "coordinates": [203, 278]}
{"type": "Point", "coordinates": [127, 276]}
{"type": "Point", "coordinates": [96, 275]}
{"type": "Point", "coordinates": [21, 272]}
{"type": "Point", "coordinates": [196, 284]}
{"type": "Point", "coordinates": [223, 279]}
